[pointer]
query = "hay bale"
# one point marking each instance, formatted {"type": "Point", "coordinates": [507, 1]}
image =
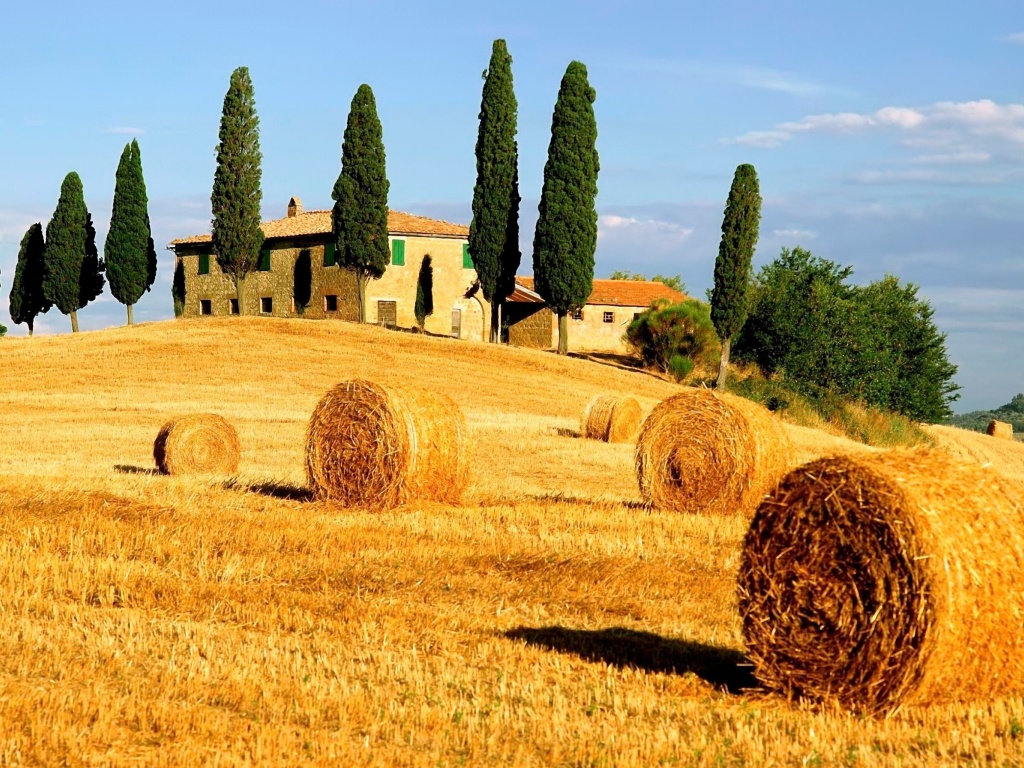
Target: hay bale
{"type": "Point", "coordinates": [371, 445]}
{"type": "Point", "coordinates": [884, 580]}
{"type": "Point", "coordinates": [199, 443]}
{"type": "Point", "coordinates": [612, 419]}
{"type": "Point", "coordinates": [705, 452]}
{"type": "Point", "coordinates": [1000, 429]}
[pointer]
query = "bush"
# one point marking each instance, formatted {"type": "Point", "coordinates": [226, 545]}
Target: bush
{"type": "Point", "coordinates": [680, 366]}
{"type": "Point", "coordinates": [669, 330]}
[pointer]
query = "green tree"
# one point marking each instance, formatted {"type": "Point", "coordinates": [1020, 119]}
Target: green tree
{"type": "Point", "coordinates": [130, 255]}
{"type": "Point", "coordinates": [735, 253]}
{"type": "Point", "coordinates": [360, 215]}
{"type": "Point", "coordinates": [675, 282]}
{"type": "Point", "coordinates": [566, 235]}
{"type": "Point", "coordinates": [494, 231]}
{"type": "Point", "coordinates": [666, 331]}
{"type": "Point", "coordinates": [424, 306]}
{"type": "Point", "coordinates": [178, 288]}
{"type": "Point", "coordinates": [302, 280]}
{"type": "Point", "coordinates": [73, 271]}
{"type": "Point", "coordinates": [236, 196]}
{"type": "Point", "coordinates": [27, 297]}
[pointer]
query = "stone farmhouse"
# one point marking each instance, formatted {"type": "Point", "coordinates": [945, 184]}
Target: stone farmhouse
{"type": "Point", "coordinates": [298, 259]}
{"type": "Point", "coordinates": [598, 327]}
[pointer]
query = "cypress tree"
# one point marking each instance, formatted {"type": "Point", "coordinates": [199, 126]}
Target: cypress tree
{"type": "Point", "coordinates": [360, 215]}
{"type": "Point", "coordinates": [236, 196]}
{"type": "Point", "coordinates": [178, 288]}
{"type": "Point", "coordinates": [130, 256]}
{"type": "Point", "coordinates": [729, 298]}
{"type": "Point", "coordinates": [566, 235]}
{"type": "Point", "coordinates": [494, 231]}
{"type": "Point", "coordinates": [302, 281]}
{"type": "Point", "coordinates": [72, 269]}
{"type": "Point", "coordinates": [424, 306]}
{"type": "Point", "coordinates": [27, 297]}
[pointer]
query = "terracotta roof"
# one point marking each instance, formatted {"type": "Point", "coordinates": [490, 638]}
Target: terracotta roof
{"type": "Point", "coordinates": [319, 223]}
{"type": "Point", "coordinates": [621, 293]}
{"type": "Point", "coordinates": [523, 295]}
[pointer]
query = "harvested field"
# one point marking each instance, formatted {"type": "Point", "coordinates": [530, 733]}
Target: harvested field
{"type": "Point", "coordinates": [547, 620]}
{"type": "Point", "coordinates": [1006, 456]}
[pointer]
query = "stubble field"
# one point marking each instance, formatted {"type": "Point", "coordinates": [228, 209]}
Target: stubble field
{"type": "Point", "coordinates": [550, 620]}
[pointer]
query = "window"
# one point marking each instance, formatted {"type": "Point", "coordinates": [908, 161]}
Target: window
{"type": "Point", "coordinates": [266, 305]}
{"type": "Point", "coordinates": [264, 265]}
{"type": "Point", "coordinates": [457, 323]}
{"type": "Point", "coordinates": [205, 307]}
{"type": "Point", "coordinates": [330, 303]}
{"type": "Point", "coordinates": [467, 260]}
{"type": "Point", "coordinates": [398, 253]}
{"type": "Point", "coordinates": [387, 313]}
{"type": "Point", "coordinates": [329, 255]}
{"type": "Point", "coordinates": [636, 315]}
{"type": "Point", "coordinates": [609, 317]}
{"type": "Point", "coordinates": [204, 263]}
{"type": "Point", "coordinates": [576, 314]}
{"type": "Point", "coordinates": [233, 308]}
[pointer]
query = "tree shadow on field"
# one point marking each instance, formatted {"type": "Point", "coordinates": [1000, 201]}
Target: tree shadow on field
{"type": "Point", "coordinates": [563, 432]}
{"type": "Point", "coordinates": [285, 491]}
{"type": "Point", "coordinates": [134, 469]}
{"type": "Point", "coordinates": [557, 497]}
{"type": "Point", "coordinates": [724, 668]}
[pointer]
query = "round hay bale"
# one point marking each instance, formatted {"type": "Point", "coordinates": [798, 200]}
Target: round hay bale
{"type": "Point", "coordinates": [371, 445]}
{"type": "Point", "coordinates": [199, 443]}
{"type": "Point", "coordinates": [883, 580]}
{"type": "Point", "coordinates": [705, 452]}
{"type": "Point", "coordinates": [612, 419]}
{"type": "Point", "coordinates": [1000, 429]}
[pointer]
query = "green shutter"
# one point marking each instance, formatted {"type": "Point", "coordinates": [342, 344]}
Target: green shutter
{"type": "Point", "coordinates": [467, 260]}
{"type": "Point", "coordinates": [329, 255]}
{"type": "Point", "coordinates": [398, 253]}
{"type": "Point", "coordinates": [204, 263]}
{"type": "Point", "coordinates": [264, 260]}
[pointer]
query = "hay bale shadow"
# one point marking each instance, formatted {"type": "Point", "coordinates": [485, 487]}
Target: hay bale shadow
{"type": "Point", "coordinates": [557, 497]}
{"type": "Point", "coordinates": [563, 432]}
{"type": "Point", "coordinates": [286, 491]}
{"type": "Point", "coordinates": [726, 669]}
{"type": "Point", "coordinates": [134, 469]}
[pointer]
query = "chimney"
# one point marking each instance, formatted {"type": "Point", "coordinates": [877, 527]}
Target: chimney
{"type": "Point", "coordinates": [294, 207]}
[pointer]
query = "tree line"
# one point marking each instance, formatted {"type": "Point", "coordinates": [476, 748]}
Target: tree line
{"type": "Point", "coordinates": [63, 269]}
{"type": "Point", "coordinates": [565, 238]}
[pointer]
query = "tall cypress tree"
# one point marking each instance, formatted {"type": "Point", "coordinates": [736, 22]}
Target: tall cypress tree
{"type": "Point", "coordinates": [566, 235]}
{"type": "Point", "coordinates": [494, 231]}
{"type": "Point", "coordinates": [424, 306]}
{"type": "Point", "coordinates": [27, 297]}
{"type": "Point", "coordinates": [360, 215]}
{"type": "Point", "coordinates": [740, 224]}
{"type": "Point", "coordinates": [129, 252]}
{"type": "Point", "coordinates": [236, 196]}
{"type": "Point", "coordinates": [71, 265]}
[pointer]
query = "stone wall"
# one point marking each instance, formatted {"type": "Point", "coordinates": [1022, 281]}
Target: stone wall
{"type": "Point", "coordinates": [593, 334]}
{"type": "Point", "coordinates": [530, 325]}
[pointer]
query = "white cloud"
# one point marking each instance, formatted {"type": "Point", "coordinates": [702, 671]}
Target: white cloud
{"type": "Point", "coordinates": [963, 157]}
{"type": "Point", "coordinates": [760, 78]}
{"type": "Point", "coordinates": [794, 233]}
{"type": "Point", "coordinates": [611, 223]}
{"type": "Point", "coordinates": [1016, 37]}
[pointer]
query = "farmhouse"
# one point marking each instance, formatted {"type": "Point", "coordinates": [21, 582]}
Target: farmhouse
{"type": "Point", "coordinates": [298, 275]}
{"type": "Point", "coordinates": [598, 327]}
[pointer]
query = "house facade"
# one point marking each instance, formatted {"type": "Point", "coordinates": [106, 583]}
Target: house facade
{"type": "Point", "coordinates": [298, 275]}
{"type": "Point", "coordinates": [599, 327]}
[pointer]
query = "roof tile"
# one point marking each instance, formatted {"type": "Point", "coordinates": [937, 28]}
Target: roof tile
{"type": "Point", "coordinates": [622, 293]}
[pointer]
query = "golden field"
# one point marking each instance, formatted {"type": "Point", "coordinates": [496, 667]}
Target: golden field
{"type": "Point", "coordinates": [550, 620]}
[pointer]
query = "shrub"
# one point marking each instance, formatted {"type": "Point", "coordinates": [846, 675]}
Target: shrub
{"type": "Point", "coordinates": [669, 330]}
{"type": "Point", "coordinates": [680, 366]}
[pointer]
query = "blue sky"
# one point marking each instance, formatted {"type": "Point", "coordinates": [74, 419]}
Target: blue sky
{"type": "Point", "coordinates": [887, 136]}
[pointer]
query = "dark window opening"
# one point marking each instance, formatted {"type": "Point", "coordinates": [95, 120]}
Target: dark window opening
{"type": "Point", "coordinates": [609, 317]}
{"type": "Point", "coordinates": [330, 303]}
{"type": "Point", "coordinates": [576, 314]}
{"type": "Point", "coordinates": [329, 255]}
{"type": "Point", "coordinates": [264, 265]}
{"type": "Point", "coordinates": [205, 307]}
{"type": "Point", "coordinates": [204, 264]}
{"type": "Point", "coordinates": [234, 306]}
{"type": "Point", "coordinates": [266, 305]}
{"type": "Point", "coordinates": [387, 313]}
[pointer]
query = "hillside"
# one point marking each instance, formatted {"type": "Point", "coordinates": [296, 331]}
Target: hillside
{"type": "Point", "coordinates": [978, 421]}
{"type": "Point", "coordinates": [549, 620]}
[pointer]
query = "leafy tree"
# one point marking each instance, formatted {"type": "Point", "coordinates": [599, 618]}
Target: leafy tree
{"type": "Point", "coordinates": [666, 331]}
{"type": "Point", "coordinates": [178, 289]}
{"type": "Point", "coordinates": [73, 271]}
{"type": "Point", "coordinates": [360, 215]}
{"type": "Point", "coordinates": [27, 297]}
{"type": "Point", "coordinates": [675, 282]}
{"type": "Point", "coordinates": [735, 253]}
{"type": "Point", "coordinates": [302, 280]}
{"type": "Point", "coordinates": [1012, 413]}
{"type": "Point", "coordinates": [236, 196]}
{"type": "Point", "coordinates": [424, 307]}
{"type": "Point", "coordinates": [494, 231]}
{"type": "Point", "coordinates": [129, 251]}
{"type": "Point", "coordinates": [566, 235]}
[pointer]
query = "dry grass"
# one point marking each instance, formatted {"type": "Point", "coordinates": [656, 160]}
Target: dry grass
{"type": "Point", "coordinates": [549, 620]}
{"type": "Point", "coordinates": [1007, 456]}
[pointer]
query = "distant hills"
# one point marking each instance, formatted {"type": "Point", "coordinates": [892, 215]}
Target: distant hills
{"type": "Point", "coordinates": [1012, 413]}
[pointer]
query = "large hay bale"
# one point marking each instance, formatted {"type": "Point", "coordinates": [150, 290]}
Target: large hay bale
{"type": "Point", "coordinates": [612, 419]}
{"type": "Point", "coordinates": [704, 452]}
{"type": "Point", "coordinates": [199, 443]}
{"type": "Point", "coordinates": [371, 445]}
{"type": "Point", "coordinates": [888, 579]}
{"type": "Point", "coordinates": [1000, 429]}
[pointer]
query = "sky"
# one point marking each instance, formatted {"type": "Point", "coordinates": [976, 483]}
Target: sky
{"type": "Point", "coordinates": [886, 136]}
